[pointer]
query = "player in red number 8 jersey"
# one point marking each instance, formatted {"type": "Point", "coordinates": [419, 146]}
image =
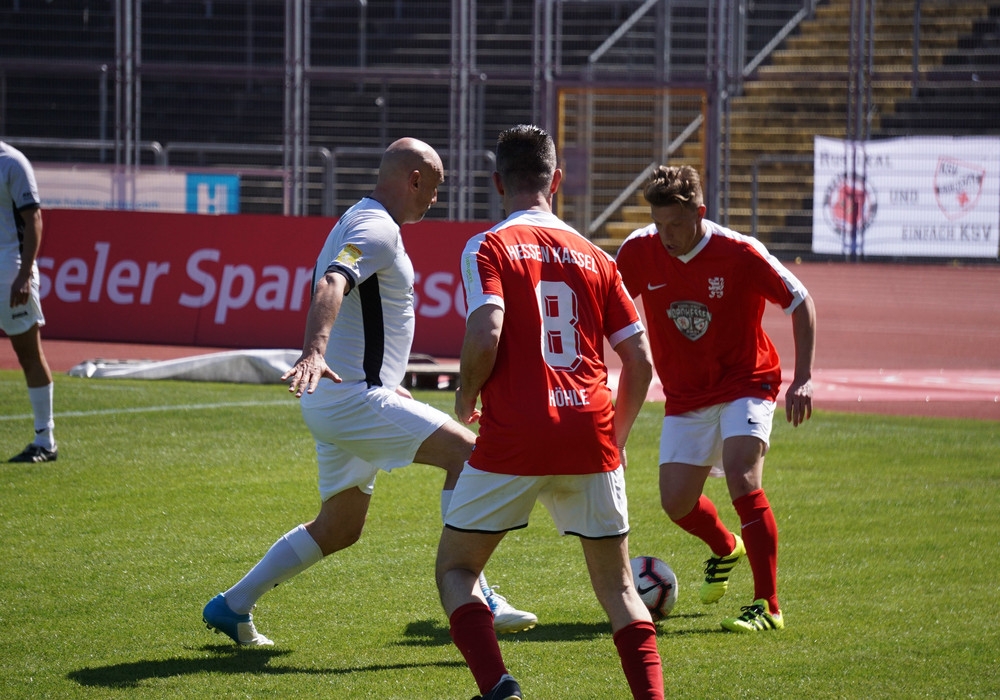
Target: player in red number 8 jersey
{"type": "Point", "coordinates": [541, 301]}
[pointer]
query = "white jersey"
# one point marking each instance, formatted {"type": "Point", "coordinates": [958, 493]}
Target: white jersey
{"type": "Point", "coordinates": [371, 338]}
{"type": "Point", "coordinates": [19, 192]}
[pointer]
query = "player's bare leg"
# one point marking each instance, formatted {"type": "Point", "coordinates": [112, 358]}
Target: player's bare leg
{"type": "Point", "coordinates": [460, 560]}
{"type": "Point", "coordinates": [37, 375]}
{"type": "Point", "coordinates": [449, 447]}
{"type": "Point", "coordinates": [633, 629]}
{"type": "Point", "coordinates": [339, 524]}
{"type": "Point", "coordinates": [743, 459]}
{"type": "Point", "coordinates": [340, 521]}
{"type": "Point", "coordinates": [681, 487]}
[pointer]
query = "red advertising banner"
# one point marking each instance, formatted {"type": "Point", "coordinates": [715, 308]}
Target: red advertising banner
{"type": "Point", "coordinates": [238, 281]}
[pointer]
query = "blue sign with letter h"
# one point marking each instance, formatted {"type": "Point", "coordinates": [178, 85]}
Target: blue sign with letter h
{"type": "Point", "coordinates": [212, 194]}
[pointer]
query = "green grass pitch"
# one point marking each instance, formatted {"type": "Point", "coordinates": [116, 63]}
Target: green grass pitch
{"type": "Point", "coordinates": [165, 493]}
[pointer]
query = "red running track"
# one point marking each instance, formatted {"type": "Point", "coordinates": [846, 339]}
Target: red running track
{"type": "Point", "coordinates": [918, 340]}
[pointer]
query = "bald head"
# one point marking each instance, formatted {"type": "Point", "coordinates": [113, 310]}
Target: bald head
{"type": "Point", "coordinates": [408, 178]}
{"type": "Point", "coordinates": [406, 155]}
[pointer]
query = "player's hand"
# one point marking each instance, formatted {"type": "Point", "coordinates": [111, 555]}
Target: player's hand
{"type": "Point", "coordinates": [20, 289]}
{"type": "Point", "coordinates": [622, 458]}
{"type": "Point", "coordinates": [798, 402]}
{"type": "Point", "coordinates": [306, 373]}
{"type": "Point", "coordinates": [465, 408]}
{"type": "Point", "coordinates": [404, 392]}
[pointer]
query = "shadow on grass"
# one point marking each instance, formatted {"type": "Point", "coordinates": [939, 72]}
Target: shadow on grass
{"type": "Point", "coordinates": [431, 633]}
{"type": "Point", "coordinates": [425, 633]}
{"type": "Point", "coordinates": [225, 659]}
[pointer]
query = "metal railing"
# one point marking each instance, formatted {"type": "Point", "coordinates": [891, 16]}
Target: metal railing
{"type": "Point", "coordinates": [636, 183]}
{"type": "Point", "coordinates": [330, 202]}
{"type": "Point", "coordinates": [98, 145]}
{"type": "Point", "coordinates": [755, 182]}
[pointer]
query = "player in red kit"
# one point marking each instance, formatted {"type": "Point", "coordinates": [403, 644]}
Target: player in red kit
{"type": "Point", "coordinates": [541, 302]}
{"type": "Point", "coordinates": [704, 289]}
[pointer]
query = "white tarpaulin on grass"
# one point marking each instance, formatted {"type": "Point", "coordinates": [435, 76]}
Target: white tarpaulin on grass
{"type": "Point", "coordinates": [915, 196]}
{"type": "Point", "coordinates": [249, 367]}
{"type": "Point", "coordinates": [239, 366]}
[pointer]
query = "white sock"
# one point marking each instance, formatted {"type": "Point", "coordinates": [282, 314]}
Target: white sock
{"type": "Point", "coordinates": [295, 552]}
{"type": "Point", "coordinates": [41, 407]}
{"type": "Point", "coordinates": [484, 586]}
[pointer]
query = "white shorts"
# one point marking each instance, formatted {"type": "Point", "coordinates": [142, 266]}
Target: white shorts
{"type": "Point", "coordinates": [696, 437]}
{"type": "Point", "coordinates": [370, 430]}
{"type": "Point", "coordinates": [15, 320]}
{"type": "Point", "coordinates": [586, 505]}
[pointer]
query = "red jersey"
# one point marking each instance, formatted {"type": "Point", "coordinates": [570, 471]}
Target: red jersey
{"type": "Point", "coordinates": [547, 408]}
{"type": "Point", "coordinates": [704, 312]}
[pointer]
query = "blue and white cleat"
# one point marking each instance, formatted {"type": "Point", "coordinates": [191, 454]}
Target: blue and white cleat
{"type": "Point", "coordinates": [221, 618]}
{"type": "Point", "coordinates": [506, 618]}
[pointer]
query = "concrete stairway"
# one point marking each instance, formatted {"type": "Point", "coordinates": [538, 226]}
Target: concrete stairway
{"type": "Point", "coordinates": [802, 92]}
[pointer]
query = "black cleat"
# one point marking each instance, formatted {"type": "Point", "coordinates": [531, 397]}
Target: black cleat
{"type": "Point", "coordinates": [36, 453]}
{"type": "Point", "coordinates": [506, 689]}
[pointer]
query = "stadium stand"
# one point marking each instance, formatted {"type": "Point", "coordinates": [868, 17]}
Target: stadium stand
{"type": "Point", "coordinates": [214, 73]}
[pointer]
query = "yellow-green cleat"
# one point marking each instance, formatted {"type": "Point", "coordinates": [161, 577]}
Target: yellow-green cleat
{"type": "Point", "coordinates": [717, 570]}
{"type": "Point", "coordinates": [755, 618]}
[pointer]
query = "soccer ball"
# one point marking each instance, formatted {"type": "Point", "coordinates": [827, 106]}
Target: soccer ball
{"type": "Point", "coordinates": [656, 584]}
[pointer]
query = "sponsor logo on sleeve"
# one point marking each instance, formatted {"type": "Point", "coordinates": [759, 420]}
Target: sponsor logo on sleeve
{"type": "Point", "coordinates": [349, 255]}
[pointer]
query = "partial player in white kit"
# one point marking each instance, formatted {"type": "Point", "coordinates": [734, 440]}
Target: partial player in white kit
{"type": "Point", "coordinates": [357, 343]}
{"type": "Point", "coordinates": [21, 315]}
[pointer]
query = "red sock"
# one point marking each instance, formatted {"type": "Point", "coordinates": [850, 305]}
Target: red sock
{"type": "Point", "coordinates": [636, 644]}
{"type": "Point", "coordinates": [472, 632]}
{"type": "Point", "coordinates": [760, 535]}
{"type": "Point", "coordinates": [703, 522]}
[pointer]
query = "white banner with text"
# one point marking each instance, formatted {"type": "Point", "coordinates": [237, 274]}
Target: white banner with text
{"type": "Point", "coordinates": [152, 190]}
{"type": "Point", "coordinates": [914, 196]}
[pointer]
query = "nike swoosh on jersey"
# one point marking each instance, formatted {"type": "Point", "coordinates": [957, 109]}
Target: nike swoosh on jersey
{"type": "Point", "coordinates": [651, 286]}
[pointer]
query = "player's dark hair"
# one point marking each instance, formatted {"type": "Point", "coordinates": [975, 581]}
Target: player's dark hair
{"type": "Point", "coordinates": [526, 159]}
{"type": "Point", "coordinates": [674, 185]}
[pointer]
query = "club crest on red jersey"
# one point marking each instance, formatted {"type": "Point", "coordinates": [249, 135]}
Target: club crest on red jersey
{"type": "Point", "coordinates": [690, 317]}
{"type": "Point", "coordinates": [716, 285]}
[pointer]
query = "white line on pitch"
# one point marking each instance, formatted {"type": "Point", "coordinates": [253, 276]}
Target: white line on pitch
{"type": "Point", "coordinates": [155, 409]}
